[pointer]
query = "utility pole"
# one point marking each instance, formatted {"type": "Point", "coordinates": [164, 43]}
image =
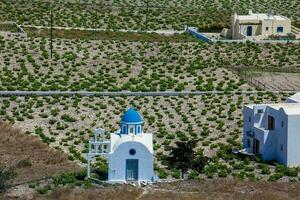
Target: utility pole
{"type": "Point", "coordinates": [51, 31]}
{"type": "Point", "coordinates": [96, 20]}
{"type": "Point", "coordinates": [147, 9]}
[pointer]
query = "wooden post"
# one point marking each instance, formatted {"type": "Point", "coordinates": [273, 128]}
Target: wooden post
{"type": "Point", "coordinates": [147, 6]}
{"type": "Point", "coordinates": [88, 166]}
{"type": "Point", "coordinates": [51, 31]}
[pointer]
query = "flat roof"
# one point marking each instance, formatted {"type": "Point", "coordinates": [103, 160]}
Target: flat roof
{"type": "Point", "coordinates": [295, 97]}
{"type": "Point", "coordinates": [289, 108]}
{"type": "Point", "coordinates": [261, 16]}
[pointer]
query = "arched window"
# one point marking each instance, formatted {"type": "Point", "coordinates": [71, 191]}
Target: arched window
{"type": "Point", "coordinates": [131, 130]}
{"type": "Point", "coordinates": [124, 129]}
{"type": "Point", "coordinates": [139, 129]}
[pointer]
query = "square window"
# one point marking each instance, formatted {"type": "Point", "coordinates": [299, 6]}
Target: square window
{"type": "Point", "coordinates": [280, 29]}
{"type": "Point", "coordinates": [259, 111]}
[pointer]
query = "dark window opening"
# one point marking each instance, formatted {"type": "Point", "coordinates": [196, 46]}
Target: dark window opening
{"type": "Point", "coordinates": [280, 29]}
{"type": "Point", "coordinates": [267, 28]}
{"type": "Point", "coordinates": [282, 124]}
{"type": "Point", "coordinates": [271, 123]}
{"type": "Point", "coordinates": [248, 143]}
{"type": "Point", "coordinates": [132, 152]}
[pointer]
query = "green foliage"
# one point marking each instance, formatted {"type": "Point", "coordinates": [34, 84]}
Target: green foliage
{"type": "Point", "coordinates": [184, 157]}
{"type": "Point", "coordinates": [68, 118]}
{"type": "Point", "coordinates": [24, 163]}
{"type": "Point", "coordinates": [6, 177]}
{"type": "Point", "coordinates": [162, 174]}
{"type": "Point", "coordinates": [175, 173]}
{"type": "Point", "coordinates": [71, 178]}
{"type": "Point", "coordinates": [44, 189]}
{"type": "Point", "coordinates": [193, 174]}
{"type": "Point", "coordinates": [275, 177]}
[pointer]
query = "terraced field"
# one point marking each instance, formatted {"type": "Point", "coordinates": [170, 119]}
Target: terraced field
{"type": "Point", "coordinates": [127, 14]}
{"type": "Point", "coordinates": [114, 65]}
{"type": "Point", "coordinates": [67, 123]}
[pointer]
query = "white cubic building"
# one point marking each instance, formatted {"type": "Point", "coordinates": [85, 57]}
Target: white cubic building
{"type": "Point", "coordinates": [257, 26]}
{"type": "Point", "coordinates": [273, 131]}
{"type": "Point", "coordinates": [129, 151]}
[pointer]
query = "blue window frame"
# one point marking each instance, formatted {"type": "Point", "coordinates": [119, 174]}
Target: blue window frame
{"type": "Point", "coordinates": [280, 29]}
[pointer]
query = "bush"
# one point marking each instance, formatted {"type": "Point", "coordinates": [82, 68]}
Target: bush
{"type": "Point", "coordinates": [44, 190]}
{"type": "Point", "coordinates": [293, 172]}
{"type": "Point", "coordinates": [6, 176]}
{"type": "Point", "coordinates": [65, 178]}
{"type": "Point", "coordinates": [193, 174]}
{"type": "Point", "coordinates": [275, 177]}
{"type": "Point", "coordinates": [24, 163]}
{"type": "Point", "coordinates": [162, 174]}
{"type": "Point", "coordinates": [68, 118]}
{"type": "Point", "coordinates": [175, 173]}
{"type": "Point", "coordinates": [223, 173]}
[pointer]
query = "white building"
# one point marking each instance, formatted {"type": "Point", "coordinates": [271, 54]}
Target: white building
{"type": "Point", "coordinates": [273, 131]}
{"type": "Point", "coordinates": [129, 151]}
{"type": "Point", "coordinates": [257, 26]}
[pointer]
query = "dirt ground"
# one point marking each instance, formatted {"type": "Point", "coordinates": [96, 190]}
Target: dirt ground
{"type": "Point", "coordinates": [192, 190]}
{"type": "Point", "coordinates": [280, 81]}
{"type": "Point", "coordinates": [31, 158]}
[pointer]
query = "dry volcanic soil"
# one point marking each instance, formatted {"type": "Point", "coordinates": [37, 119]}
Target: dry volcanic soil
{"type": "Point", "coordinates": [140, 15]}
{"type": "Point", "coordinates": [67, 123]}
{"type": "Point", "coordinates": [108, 65]}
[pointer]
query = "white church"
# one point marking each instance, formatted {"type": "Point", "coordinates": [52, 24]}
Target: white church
{"type": "Point", "coordinates": [129, 151]}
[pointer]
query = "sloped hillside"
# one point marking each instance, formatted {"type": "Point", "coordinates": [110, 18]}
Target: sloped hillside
{"type": "Point", "coordinates": [32, 159]}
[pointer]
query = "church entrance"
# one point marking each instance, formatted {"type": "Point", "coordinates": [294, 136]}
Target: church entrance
{"type": "Point", "coordinates": [132, 169]}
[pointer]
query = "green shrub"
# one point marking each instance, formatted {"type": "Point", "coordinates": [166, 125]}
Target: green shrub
{"type": "Point", "coordinates": [275, 177]}
{"type": "Point", "coordinates": [24, 163]}
{"type": "Point", "coordinates": [68, 118]}
{"type": "Point", "coordinates": [162, 174]}
{"type": "Point", "coordinates": [193, 174]}
{"type": "Point", "coordinates": [175, 173]}
{"type": "Point", "coordinates": [293, 172]}
{"type": "Point", "coordinates": [223, 173]}
{"type": "Point", "coordinates": [43, 190]}
{"type": "Point", "coordinates": [6, 176]}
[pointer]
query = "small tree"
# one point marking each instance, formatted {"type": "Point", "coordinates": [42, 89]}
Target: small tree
{"type": "Point", "coordinates": [182, 156]}
{"type": "Point", "coordinates": [6, 176]}
{"type": "Point", "coordinates": [200, 161]}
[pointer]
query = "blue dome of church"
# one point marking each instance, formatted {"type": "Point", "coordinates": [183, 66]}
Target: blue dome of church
{"type": "Point", "coordinates": [131, 116]}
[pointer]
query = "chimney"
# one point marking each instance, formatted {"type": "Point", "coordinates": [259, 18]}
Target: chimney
{"type": "Point", "coordinates": [235, 15]}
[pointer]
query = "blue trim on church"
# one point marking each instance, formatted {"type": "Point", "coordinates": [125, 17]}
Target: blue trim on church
{"type": "Point", "coordinates": [131, 122]}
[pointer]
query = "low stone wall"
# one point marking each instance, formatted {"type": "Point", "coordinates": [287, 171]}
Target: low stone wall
{"type": "Point", "coordinates": [20, 32]}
